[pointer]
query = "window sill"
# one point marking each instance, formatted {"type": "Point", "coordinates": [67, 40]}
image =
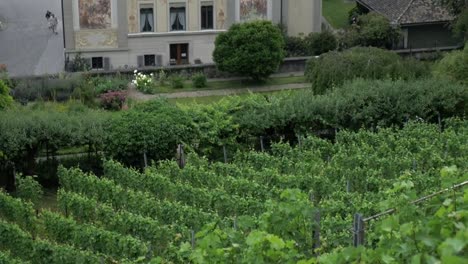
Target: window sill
{"type": "Point", "coordinates": [176, 33]}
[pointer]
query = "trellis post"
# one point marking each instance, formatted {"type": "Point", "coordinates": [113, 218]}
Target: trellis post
{"type": "Point", "coordinates": [358, 230]}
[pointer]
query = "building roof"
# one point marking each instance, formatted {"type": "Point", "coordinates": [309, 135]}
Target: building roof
{"type": "Point", "coordinates": [409, 11]}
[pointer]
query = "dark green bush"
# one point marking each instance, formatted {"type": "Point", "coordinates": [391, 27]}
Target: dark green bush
{"type": "Point", "coordinates": [454, 66]}
{"type": "Point", "coordinates": [313, 44]}
{"type": "Point", "coordinates": [28, 189]}
{"type": "Point", "coordinates": [199, 80]}
{"type": "Point", "coordinates": [253, 49]}
{"type": "Point", "coordinates": [177, 82]}
{"type": "Point", "coordinates": [319, 43]}
{"type": "Point", "coordinates": [370, 29]}
{"type": "Point", "coordinates": [155, 128]}
{"type": "Point", "coordinates": [296, 46]}
{"type": "Point", "coordinates": [354, 105]}
{"type": "Point", "coordinates": [111, 84]}
{"type": "Point", "coordinates": [460, 27]}
{"type": "Point", "coordinates": [334, 68]}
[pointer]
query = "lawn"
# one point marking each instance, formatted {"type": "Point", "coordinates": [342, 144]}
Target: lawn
{"type": "Point", "coordinates": [336, 12]}
{"type": "Point", "coordinates": [212, 99]}
{"type": "Point", "coordinates": [216, 85]}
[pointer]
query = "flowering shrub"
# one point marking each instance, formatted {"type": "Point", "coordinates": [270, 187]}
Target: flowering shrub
{"type": "Point", "coordinates": [113, 100]}
{"type": "Point", "coordinates": [143, 82]}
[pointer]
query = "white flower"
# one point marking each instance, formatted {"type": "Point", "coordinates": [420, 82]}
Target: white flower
{"type": "Point", "coordinates": [135, 71]}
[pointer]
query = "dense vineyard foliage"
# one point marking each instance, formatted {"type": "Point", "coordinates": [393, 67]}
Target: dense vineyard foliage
{"type": "Point", "coordinates": [288, 205]}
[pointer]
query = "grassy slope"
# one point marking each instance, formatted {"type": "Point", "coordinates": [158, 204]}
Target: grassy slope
{"type": "Point", "coordinates": [336, 12]}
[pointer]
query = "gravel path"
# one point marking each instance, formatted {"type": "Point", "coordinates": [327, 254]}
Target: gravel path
{"type": "Point", "coordinates": [220, 92]}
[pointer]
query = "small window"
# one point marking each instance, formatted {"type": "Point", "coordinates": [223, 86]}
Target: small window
{"type": "Point", "coordinates": [146, 18]}
{"type": "Point", "coordinates": [150, 60]}
{"type": "Point", "coordinates": [97, 63]}
{"type": "Point", "coordinates": [207, 16]}
{"type": "Point", "coordinates": [177, 18]}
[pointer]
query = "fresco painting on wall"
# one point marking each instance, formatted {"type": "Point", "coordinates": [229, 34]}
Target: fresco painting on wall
{"type": "Point", "coordinates": [253, 9]}
{"type": "Point", "coordinates": [95, 14]}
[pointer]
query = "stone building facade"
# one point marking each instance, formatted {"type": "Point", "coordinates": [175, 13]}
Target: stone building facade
{"type": "Point", "coordinates": [120, 34]}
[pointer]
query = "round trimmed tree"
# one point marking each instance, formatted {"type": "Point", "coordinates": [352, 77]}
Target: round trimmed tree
{"type": "Point", "coordinates": [254, 49]}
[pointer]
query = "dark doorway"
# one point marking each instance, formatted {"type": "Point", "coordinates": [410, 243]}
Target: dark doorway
{"type": "Point", "coordinates": [179, 54]}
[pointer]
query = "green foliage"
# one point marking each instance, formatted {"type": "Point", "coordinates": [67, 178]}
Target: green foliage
{"type": "Point", "coordinates": [435, 234]}
{"type": "Point", "coordinates": [214, 125]}
{"type": "Point", "coordinates": [177, 82]}
{"type": "Point", "coordinates": [78, 64]}
{"type": "Point", "coordinates": [88, 210]}
{"type": "Point", "coordinates": [143, 203]}
{"type": "Point", "coordinates": [461, 25]}
{"type": "Point", "coordinates": [127, 214]}
{"type": "Point", "coordinates": [155, 128]}
{"type": "Point", "coordinates": [199, 80]}
{"type": "Point", "coordinates": [87, 237]}
{"type": "Point", "coordinates": [310, 45]}
{"type": "Point", "coordinates": [454, 66]}
{"type": "Point", "coordinates": [455, 6]}
{"type": "Point", "coordinates": [28, 189]}
{"type": "Point", "coordinates": [323, 42]}
{"type": "Point", "coordinates": [5, 98]}
{"type": "Point", "coordinates": [18, 211]}
{"type": "Point", "coordinates": [254, 49]}
{"type": "Point", "coordinates": [24, 246]}
{"type": "Point", "coordinates": [334, 68]}
{"type": "Point", "coordinates": [103, 85]}
{"type": "Point", "coordinates": [218, 200]}
{"type": "Point", "coordinates": [24, 131]}
{"type": "Point", "coordinates": [162, 77]}
{"type": "Point", "coordinates": [370, 29]}
{"type": "Point", "coordinates": [6, 258]}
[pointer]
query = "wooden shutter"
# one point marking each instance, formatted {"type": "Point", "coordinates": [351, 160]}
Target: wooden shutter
{"type": "Point", "coordinates": [106, 63]}
{"type": "Point", "coordinates": [140, 61]}
{"type": "Point", "coordinates": [159, 60]}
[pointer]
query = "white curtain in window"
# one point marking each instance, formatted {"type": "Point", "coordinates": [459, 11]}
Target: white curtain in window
{"type": "Point", "coordinates": [150, 18]}
{"type": "Point", "coordinates": [146, 16]}
{"type": "Point", "coordinates": [182, 18]}
{"type": "Point", "coordinates": [173, 18]}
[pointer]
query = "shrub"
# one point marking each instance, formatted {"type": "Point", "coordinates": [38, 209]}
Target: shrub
{"type": "Point", "coordinates": [78, 64]}
{"type": "Point", "coordinates": [254, 49]}
{"type": "Point", "coordinates": [199, 80]}
{"type": "Point", "coordinates": [162, 77]}
{"type": "Point", "coordinates": [177, 82]}
{"type": "Point", "coordinates": [113, 100]}
{"type": "Point", "coordinates": [5, 98]}
{"type": "Point", "coordinates": [103, 85]}
{"type": "Point", "coordinates": [143, 82]}
{"type": "Point", "coordinates": [372, 29]}
{"type": "Point", "coordinates": [296, 46]}
{"type": "Point", "coordinates": [28, 189]}
{"type": "Point", "coordinates": [454, 66]}
{"type": "Point", "coordinates": [334, 68]}
{"type": "Point", "coordinates": [155, 127]}
{"type": "Point", "coordinates": [460, 27]}
{"type": "Point", "coordinates": [319, 43]}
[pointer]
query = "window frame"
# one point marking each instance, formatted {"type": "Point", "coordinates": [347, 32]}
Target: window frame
{"type": "Point", "coordinates": [146, 56]}
{"type": "Point", "coordinates": [102, 63]}
{"type": "Point", "coordinates": [143, 5]}
{"type": "Point", "coordinates": [213, 5]}
{"type": "Point", "coordinates": [177, 5]}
